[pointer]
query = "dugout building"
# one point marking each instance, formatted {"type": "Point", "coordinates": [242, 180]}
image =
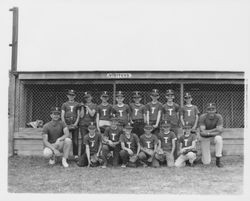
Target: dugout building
{"type": "Point", "coordinates": [32, 94]}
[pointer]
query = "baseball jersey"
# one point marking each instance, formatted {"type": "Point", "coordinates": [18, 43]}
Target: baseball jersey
{"type": "Point", "coordinates": [153, 109]}
{"type": "Point", "coordinates": [87, 119]}
{"type": "Point", "coordinates": [171, 113]}
{"type": "Point", "coordinates": [121, 112]}
{"type": "Point", "coordinates": [210, 123]}
{"type": "Point", "coordinates": [189, 114]}
{"type": "Point", "coordinates": [137, 111]}
{"type": "Point", "coordinates": [104, 111]}
{"type": "Point", "coordinates": [93, 142]}
{"type": "Point", "coordinates": [113, 135]}
{"type": "Point", "coordinates": [130, 143]}
{"type": "Point", "coordinates": [148, 142]}
{"type": "Point", "coordinates": [70, 108]}
{"type": "Point", "coordinates": [187, 140]}
{"type": "Point", "coordinates": [166, 140]}
{"type": "Point", "coordinates": [54, 130]}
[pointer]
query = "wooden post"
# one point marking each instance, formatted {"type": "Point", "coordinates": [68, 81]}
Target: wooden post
{"type": "Point", "coordinates": [12, 82]}
{"type": "Point", "coordinates": [181, 94]}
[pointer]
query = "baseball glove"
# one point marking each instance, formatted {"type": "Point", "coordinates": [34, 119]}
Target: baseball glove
{"type": "Point", "coordinates": [133, 158]}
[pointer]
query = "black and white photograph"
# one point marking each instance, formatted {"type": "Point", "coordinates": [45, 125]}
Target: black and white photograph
{"type": "Point", "coordinates": [125, 98]}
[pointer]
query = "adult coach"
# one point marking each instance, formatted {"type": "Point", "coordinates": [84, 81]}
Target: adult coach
{"type": "Point", "coordinates": [56, 138]}
{"type": "Point", "coordinates": [211, 127]}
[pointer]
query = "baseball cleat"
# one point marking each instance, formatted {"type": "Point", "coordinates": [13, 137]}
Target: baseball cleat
{"type": "Point", "coordinates": [64, 163]}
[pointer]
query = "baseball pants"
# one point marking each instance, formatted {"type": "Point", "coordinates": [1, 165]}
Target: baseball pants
{"type": "Point", "coordinates": [63, 146]}
{"type": "Point", "coordinates": [181, 160]}
{"type": "Point", "coordinates": [125, 158]}
{"type": "Point", "coordinates": [144, 157]}
{"type": "Point", "coordinates": [205, 148]}
{"type": "Point", "coordinates": [84, 131]}
{"type": "Point", "coordinates": [116, 157]}
{"type": "Point", "coordinates": [75, 140]}
{"type": "Point", "coordinates": [138, 127]}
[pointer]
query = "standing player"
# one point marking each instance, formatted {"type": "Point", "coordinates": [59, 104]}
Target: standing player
{"type": "Point", "coordinates": [130, 145]}
{"type": "Point", "coordinates": [166, 146]}
{"type": "Point", "coordinates": [103, 113]}
{"type": "Point", "coordinates": [93, 144]}
{"type": "Point", "coordinates": [87, 115]}
{"type": "Point", "coordinates": [187, 148]}
{"type": "Point", "coordinates": [148, 143]}
{"type": "Point", "coordinates": [138, 114]}
{"type": "Point", "coordinates": [111, 142]}
{"type": "Point", "coordinates": [189, 113]}
{"type": "Point", "coordinates": [70, 116]}
{"type": "Point", "coordinates": [154, 109]}
{"type": "Point", "coordinates": [211, 128]}
{"type": "Point", "coordinates": [121, 110]}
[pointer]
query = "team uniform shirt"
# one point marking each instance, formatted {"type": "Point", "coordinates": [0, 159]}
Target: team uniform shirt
{"type": "Point", "coordinates": [153, 109]}
{"type": "Point", "coordinates": [104, 111]}
{"type": "Point", "coordinates": [113, 135]}
{"type": "Point", "coordinates": [121, 113]}
{"type": "Point", "coordinates": [70, 109]}
{"type": "Point", "coordinates": [210, 123]}
{"type": "Point", "coordinates": [150, 142]}
{"type": "Point", "coordinates": [170, 114]}
{"type": "Point", "coordinates": [87, 119]}
{"type": "Point", "coordinates": [54, 130]}
{"type": "Point", "coordinates": [189, 114]}
{"type": "Point", "coordinates": [137, 111]}
{"type": "Point", "coordinates": [130, 143]}
{"type": "Point", "coordinates": [166, 140]}
{"type": "Point", "coordinates": [187, 140]}
{"type": "Point", "coordinates": [93, 142]}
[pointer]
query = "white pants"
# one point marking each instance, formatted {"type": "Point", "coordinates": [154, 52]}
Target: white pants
{"type": "Point", "coordinates": [205, 148]}
{"type": "Point", "coordinates": [180, 161]}
{"type": "Point", "coordinates": [63, 146]}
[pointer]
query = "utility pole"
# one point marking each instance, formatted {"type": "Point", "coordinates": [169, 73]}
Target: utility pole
{"type": "Point", "coordinates": [12, 81]}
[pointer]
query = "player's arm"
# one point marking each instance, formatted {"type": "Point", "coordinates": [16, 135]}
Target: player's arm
{"type": "Point", "coordinates": [159, 144]}
{"type": "Point", "coordinates": [97, 121]}
{"type": "Point", "coordinates": [182, 117]}
{"type": "Point", "coordinates": [181, 149]}
{"type": "Point", "coordinates": [88, 154]}
{"type": "Point", "coordinates": [213, 132]}
{"type": "Point", "coordinates": [62, 115]}
{"type": "Point", "coordinates": [82, 111]}
{"type": "Point", "coordinates": [196, 122]}
{"type": "Point", "coordinates": [100, 147]}
{"type": "Point", "coordinates": [65, 134]}
{"type": "Point", "coordinates": [173, 146]}
{"type": "Point", "coordinates": [77, 117]}
{"type": "Point", "coordinates": [158, 118]}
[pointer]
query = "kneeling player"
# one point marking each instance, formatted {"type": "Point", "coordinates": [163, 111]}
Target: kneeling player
{"type": "Point", "coordinates": [148, 143]}
{"type": "Point", "coordinates": [111, 142]}
{"type": "Point", "coordinates": [93, 145]}
{"type": "Point", "coordinates": [187, 148]}
{"type": "Point", "coordinates": [166, 146]}
{"type": "Point", "coordinates": [130, 147]}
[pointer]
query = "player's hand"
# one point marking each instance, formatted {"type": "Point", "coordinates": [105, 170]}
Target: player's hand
{"type": "Point", "coordinates": [130, 152]}
{"type": "Point", "coordinates": [97, 154]}
{"type": "Point", "coordinates": [155, 126]}
{"type": "Point", "coordinates": [56, 152]}
{"type": "Point", "coordinates": [90, 163]}
{"type": "Point", "coordinates": [182, 150]}
{"type": "Point", "coordinates": [131, 122]}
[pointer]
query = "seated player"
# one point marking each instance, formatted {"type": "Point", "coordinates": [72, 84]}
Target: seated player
{"type": "Point", "coordinates": [111, 143]}
{"type": "Point", "coordinates": [130, 145]}
{"type": "Point", "coordinates": [148, 143]}
{"type": "Point", "coordinates": [93, 144]}
{"type": "Point", "coordinates": [187, 148]}
{"type": "Point", "coordinates": [166, 147]}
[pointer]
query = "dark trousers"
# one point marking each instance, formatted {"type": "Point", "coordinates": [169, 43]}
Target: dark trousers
{"type": "Point", "coordinates": [75, 140]}
{"type": "Point", "coordinates": [177, 144]}
{"type": "Point", "coordinates": [116, 157]}
{"type": "Point", "coordinates": [155, 130]}
{"type": "Point", "coordinates": [84, 131]}
{"type": "Point", "coordinates": [138, 127]}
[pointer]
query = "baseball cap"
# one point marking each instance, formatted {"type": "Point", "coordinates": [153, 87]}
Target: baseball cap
{"type": "Point", "coordinates": [148, 127]}
{"type": "Point", "coordinates": [137, 94]}
{"type": "Point", "coordinates": [211, 105]}
{"type": "Point", "coordinates": [71, 92]}
{"type": "Point", "coordinates": [105, 94]}
{"type": "Point", "coordinates": [187, 95]}
{"type": "Point", "coordinates": [87, 94]}
{"type": "Point", "coordinates": [91, 126]}
{"type": "Point", "coordinates": [154, 92]}
{"type": "Point", "coordinates": [128, 126]}
{"type": "Point", "coordinates": [169, 92]}
{"type": "Point", "coordinates": [119, 94]}
{"type": "Point", "coordinates": [55, 110]}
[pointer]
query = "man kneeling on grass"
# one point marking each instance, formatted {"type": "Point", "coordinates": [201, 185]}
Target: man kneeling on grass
{"type": "Point", "coordinates": [187, 148]}
{"type": "Point", "coordinates": [130, 147]}
{"type": "Point", "coordinates": [56, 138]}
{"type": "Point", "coordinates": [93, 143]}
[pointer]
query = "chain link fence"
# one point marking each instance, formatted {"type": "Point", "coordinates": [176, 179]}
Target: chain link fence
{"type": "Point", "coordinates": [35, 98]}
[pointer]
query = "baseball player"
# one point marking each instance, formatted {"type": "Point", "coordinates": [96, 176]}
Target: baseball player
{"type": "Point", "coordinates": [138, 114]}
{"type": "Point", "coordinates": [148, 142]}
{"type": "Point", "coordinates": [111, 142]}
{"type": "Point", "coordinates": [93, 143]}
{"type": "Point", "coordinates": [87, 115]}
{"type": "Point", "coordinates": [189, 113]}
{"type": "Point", "coordinates": [130, 145]}
{"type": "Point", "coordinates": [121, 110]}
{"type": "Point", "coordinates": [211, 128]}
{"type": "Point", "coordinates": [154, 109]}
{"type": "Point", "coordinates": [56, 139]}
{"type": "Point", "coordinates": [166, 146]}
{"type": "Point", "coordinates": [103, 113]}
{"type": "Point", "coordinates": [70, 115]}
{"type": "Point", "coordinates": [187, 148]}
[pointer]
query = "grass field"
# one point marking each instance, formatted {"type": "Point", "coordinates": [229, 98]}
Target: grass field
{"type": "Point", "coordinates": [33, 175]}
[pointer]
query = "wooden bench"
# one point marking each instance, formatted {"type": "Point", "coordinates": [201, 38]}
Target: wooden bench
{"type": "Point", "coordinates": [28, 142]}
